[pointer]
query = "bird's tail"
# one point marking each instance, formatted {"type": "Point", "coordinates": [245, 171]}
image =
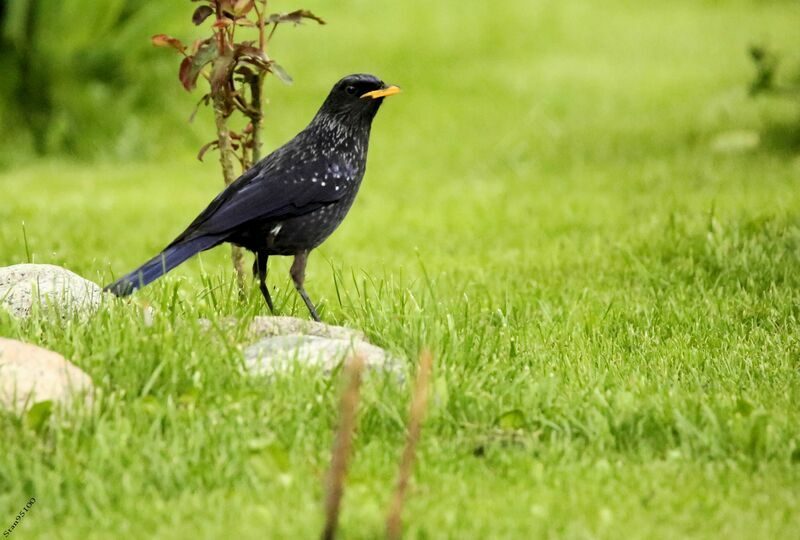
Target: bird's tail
{"type": "Point", "coordinates": [159, 265]}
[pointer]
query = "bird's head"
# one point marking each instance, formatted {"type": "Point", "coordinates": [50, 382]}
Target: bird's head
{"type": "Point", "coordinates": [357, 97]}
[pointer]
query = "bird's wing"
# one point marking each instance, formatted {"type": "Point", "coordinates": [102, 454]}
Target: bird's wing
{"type": "Point", "coordinates": [278, 187]}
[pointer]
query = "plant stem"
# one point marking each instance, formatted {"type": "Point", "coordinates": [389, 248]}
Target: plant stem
{"type": "Point", "coordinates": [257, 117]}
{"type": "Point", "coordinates": [260, 13]}
{"type": "Point", "coordinates": [256, 87]}
{"type": "Point", "coordinates": [226, 152]}
{"type": "Point", "coordinates": [220, 34]}
{"type": "Point", "coordinates": [228, 175]}
{"type": "Point", "coordinates": [416, 415]}
{"type": "Point", "coordinates": [342, 445]}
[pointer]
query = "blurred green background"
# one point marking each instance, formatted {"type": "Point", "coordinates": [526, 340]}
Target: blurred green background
{"type": "Point", "coordinates": [81, 79]}
{"type": "Point", "coordinates": [576, 204]}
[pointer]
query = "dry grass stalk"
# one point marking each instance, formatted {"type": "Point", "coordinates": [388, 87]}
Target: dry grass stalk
{"type": "Point", "coordinates": [419, 404]}
{"type": "Point", "coordinates": [342, 446]}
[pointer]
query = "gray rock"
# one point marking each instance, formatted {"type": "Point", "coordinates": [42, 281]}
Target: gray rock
{"type": "Point", "coordinates": [22, 285]}
{"type": "Point", "coordinates": [280, 343]}
{"type": "Point", "coordinates": [30, 374]}
{"type": "Point", "coordinates": [282, 326]}
{"type": "Point", "coordinates": [270, 326]}
{"type": "Point", "coordinates": [281, 353]}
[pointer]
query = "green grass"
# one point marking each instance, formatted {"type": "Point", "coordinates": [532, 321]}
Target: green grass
{"type": "Point", "coordinates": [543, 209]}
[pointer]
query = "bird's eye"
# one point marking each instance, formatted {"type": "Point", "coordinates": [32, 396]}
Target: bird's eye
{"type": "Point", "coordinates": [350, 90]}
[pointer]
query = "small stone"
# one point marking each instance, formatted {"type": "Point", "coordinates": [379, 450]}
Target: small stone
{"type": "Point", "coordinates": [281, 353]}
{"type": "Point", "coordinates": [31, 374]}
{"type": "Point", "coordinates": [22, 284]}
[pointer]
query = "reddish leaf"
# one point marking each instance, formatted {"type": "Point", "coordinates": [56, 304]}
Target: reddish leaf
{"type": "Point", "coordinates": [242, 7]}
{"type": "Point", "coordinates": [163, 40]}
{"type": "Point", "coordinates": [185, 74]}
{"type": "Point", "coordinates": [222, 23]}
{"type": "Point", "coordinates": [190, 70]}
{"type": "Point", "coordinates": [227, 7]}
{"type": "Point", "coordinates": [295, 16]}
{"type": "Point", "coordinates": [201, 14]}
{"type": "Point", "coordinates": [205, 148]}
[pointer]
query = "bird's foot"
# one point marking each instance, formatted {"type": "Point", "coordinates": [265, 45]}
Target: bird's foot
{"type": "Point", "coordinates": [309, 304]}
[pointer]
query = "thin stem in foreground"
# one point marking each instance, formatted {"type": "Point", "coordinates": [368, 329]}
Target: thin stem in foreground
{"type": "Point", "coordinates": [342, 446]}
{"type": "Point", "coordinates": [419, 404]}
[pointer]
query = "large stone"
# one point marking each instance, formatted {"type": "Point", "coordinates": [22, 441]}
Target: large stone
{"type": "Point", "coordinates": [22, 285]}
{"type": "Point", "coordinates": [270, 326]}
{"type": "Point", "coordinates": [279, 343]}
{"type": "Point", "coordinates": [282, 353]}
{"type": "Point", "coordinates": [262, 327]}
{"type": "Point", "coordinates": [30, 374]}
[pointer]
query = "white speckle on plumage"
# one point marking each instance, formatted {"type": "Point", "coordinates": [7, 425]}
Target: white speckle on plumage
{"type": "Point", "coordinates": [331, 152]}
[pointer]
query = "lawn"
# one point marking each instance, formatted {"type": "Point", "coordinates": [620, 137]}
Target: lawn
{"type": "Point", "coordinates": [545, 207]}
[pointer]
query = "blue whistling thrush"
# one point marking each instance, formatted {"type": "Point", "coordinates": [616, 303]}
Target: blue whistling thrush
{"type": "Point", "coordinates": [289, 202]}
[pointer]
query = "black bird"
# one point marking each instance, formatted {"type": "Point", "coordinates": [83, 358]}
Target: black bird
{"type": "Point", "coordinates": [289, 202]}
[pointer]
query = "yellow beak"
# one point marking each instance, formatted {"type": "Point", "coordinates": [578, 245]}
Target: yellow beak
{"type": "Point", "coordinates": [383, 92]}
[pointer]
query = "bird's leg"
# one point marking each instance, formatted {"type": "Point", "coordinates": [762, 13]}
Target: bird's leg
{"type": "Point", "coordinates": [260, 271]}
{"type": "Point", "coordinates": [298, 273]}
